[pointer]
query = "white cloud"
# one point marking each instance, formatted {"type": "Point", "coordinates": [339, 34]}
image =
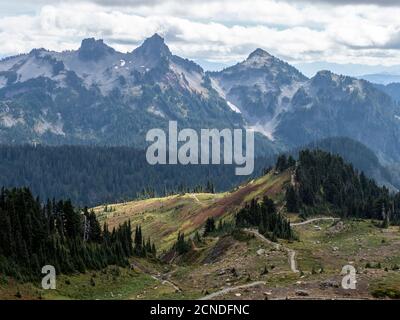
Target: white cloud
{"type": "Point", "coordinates": [215, 30]}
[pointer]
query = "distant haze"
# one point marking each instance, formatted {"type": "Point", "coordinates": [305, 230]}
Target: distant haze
{"type": "Point", "coordinates": [354, 70]}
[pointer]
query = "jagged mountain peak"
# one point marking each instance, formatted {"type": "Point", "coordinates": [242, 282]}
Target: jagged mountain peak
{"type": "Point", "coordinates": [266, 65]}
{"type": "Point", "coordinates": [151, 84]}
{"type": "Point", "coordinates": [259, 58]}
{"type": "Point", "coordinates": [153, 47]}
{"type": "Point", "coordinates": [155, 38]}
{"type": "Point", "coordinates": [92, 49]}
{"type": "Point", "coordinates": [259, 86]}
{"type": "Point", "coordinates": [91, 43]}
{"type": "Point", "coordinates": [259, 53]}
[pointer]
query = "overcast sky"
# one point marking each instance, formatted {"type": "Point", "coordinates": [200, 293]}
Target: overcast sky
{"type": "Point", "coordinates": [213, 32]}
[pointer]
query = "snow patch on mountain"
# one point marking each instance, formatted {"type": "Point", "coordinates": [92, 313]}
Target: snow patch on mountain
{"type": "Point", "coordinates": [154, 110]}
{"type": "Point", "coordinates": [267, 128]}
{"type": "Point", "coordinates": [233, 107]}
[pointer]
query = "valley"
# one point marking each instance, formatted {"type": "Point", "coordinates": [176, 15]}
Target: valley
{"type": "Point", "coordinates": [236, 264]}
{"type": "Point", "coordinates": [237, 272]}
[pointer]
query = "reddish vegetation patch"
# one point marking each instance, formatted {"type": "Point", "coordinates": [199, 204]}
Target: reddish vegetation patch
{"type": "Point", "coordinates": [230, 203]}
{"type": "Point", "coordinates": [188, 213]}
{"type": "Point", "coordinates": [275, 189]}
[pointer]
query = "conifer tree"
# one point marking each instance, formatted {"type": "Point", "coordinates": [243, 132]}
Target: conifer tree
{"type": "Point", "coordinates": [209, 226]}
{"type": "Point", "coordinates": [292, 201]}
{"type": "Point", "coordinates": [33, 235]}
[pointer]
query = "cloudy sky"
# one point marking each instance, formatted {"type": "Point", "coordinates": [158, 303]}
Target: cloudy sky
{"type": "Point", "coordinates": [363, 35]}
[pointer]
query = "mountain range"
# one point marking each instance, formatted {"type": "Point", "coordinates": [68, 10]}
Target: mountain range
{"type": "Point", "coordinates": [97, 95]}
{"type": "Point", "coordinates": [381, 78]}
{"type": "Point", "coordinates": [391, 89]}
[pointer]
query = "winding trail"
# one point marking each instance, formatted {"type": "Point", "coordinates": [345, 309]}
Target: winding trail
{"type": "Point", "coordinates": [291, 253]}
{"type": "Point", "coordinates": [192, 195]}
{"type": "Point", "coordinates": [166, 282]}
{"type": "Point", "coordinates": [230, 289]}
{"type": "Point", "coordinates": [292, 180]}
{"type": "Point", "coordinates": [156, 277]}
{"type": "Point", "coordinates": [313, 220]}
{"type": "Point", "coordinates": [292, 260]}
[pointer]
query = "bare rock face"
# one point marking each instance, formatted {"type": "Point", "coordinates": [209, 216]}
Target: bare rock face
{"type": "Point", "coordinates": [115, 97]}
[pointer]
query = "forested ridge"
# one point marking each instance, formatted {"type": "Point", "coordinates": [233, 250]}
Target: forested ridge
{"type": "Point", "coordinates": [56, 233]}
{"type": "Point", "coordinates": [92, 175]}
{"type": "Point", "coordinates": [324, 183]}
{"type": "Point", "coordinates": [360, 156]}
{"type": "Point", "coordinates": [34, 233]}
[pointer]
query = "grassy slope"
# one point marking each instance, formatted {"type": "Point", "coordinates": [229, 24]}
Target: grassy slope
{"type": "Point", "coordinates": [208, 268]}
{"type": "Point", "coordinates": [112, 283]}
{"type": "Point", "coordinates": [162, 218]}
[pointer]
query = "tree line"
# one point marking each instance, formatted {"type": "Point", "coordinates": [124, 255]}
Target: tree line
{"type": "Point", "coordinates": [265, 217]}
{"type": "Point", "coordinates": [325, 183]}
{"type": "Point", "coordinates": [94, 175]}
{"type": "Point", "coordinates": [56, 233]}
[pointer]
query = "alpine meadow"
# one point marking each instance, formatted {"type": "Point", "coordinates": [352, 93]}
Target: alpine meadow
{"type": "Point", "coordinates": [174, 151]}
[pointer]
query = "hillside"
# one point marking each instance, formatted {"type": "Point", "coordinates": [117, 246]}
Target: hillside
{"type": "Point", "coordinates": [237, 259]}
{"type": "Point", "coordinates": [322, 183]}
{"type": "Point", "coordinates": [360, 156]}
{"type": "Point", "coordinates": [164, 217]}
{"type": "Point", "coordinates": [392, 89]}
